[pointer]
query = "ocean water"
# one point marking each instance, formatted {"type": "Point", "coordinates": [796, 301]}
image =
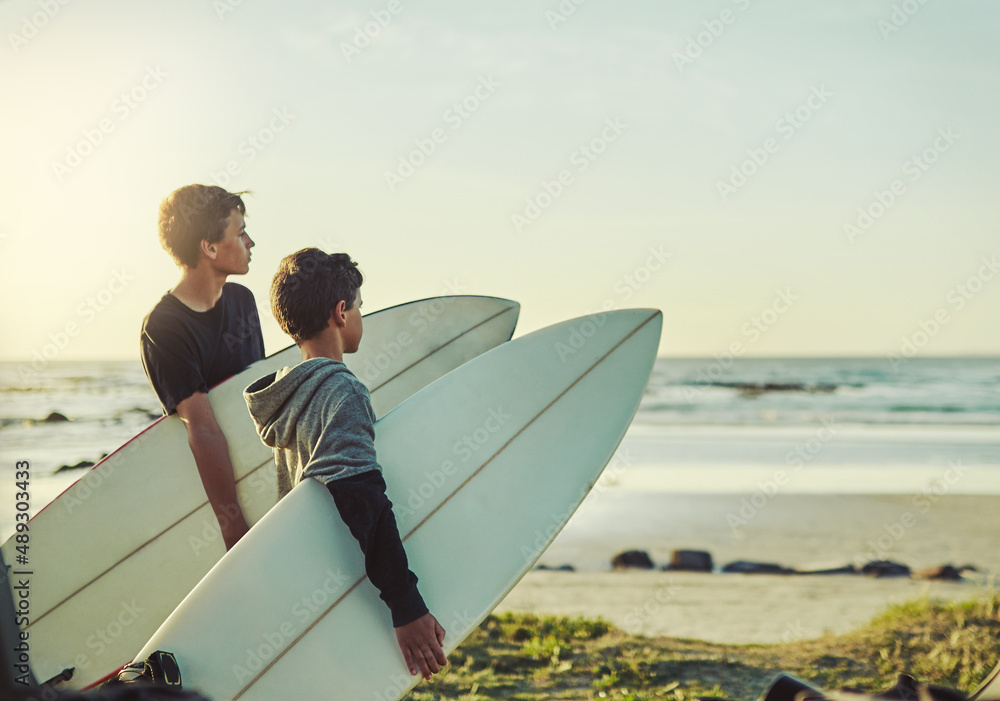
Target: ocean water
{"type": "Point", "coordinates": [857, 391]}
{"type": "Point", "coordinates": [704, 425]}
{"type": "Point", "coordinates": [833, 426]}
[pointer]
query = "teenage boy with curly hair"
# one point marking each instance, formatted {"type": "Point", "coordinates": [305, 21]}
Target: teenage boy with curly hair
{"type": "Point", "coordinates": [318, 418]}
{"type": "Point", "coordinates": [203, 331]}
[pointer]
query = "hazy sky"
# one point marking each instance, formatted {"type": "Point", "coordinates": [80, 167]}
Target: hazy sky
{"type": "Point", "coordinates": [801, 178]}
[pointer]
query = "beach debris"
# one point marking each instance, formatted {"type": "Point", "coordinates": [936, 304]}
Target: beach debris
{"type": "Point", "coordinates": [560, 568]}
{"type": "Point", "coordinates": [632, 559]}
{"type": "Point", "coordinates": [745, 567]}
{"type": "Point", "coordinates": [885, 568]}
{"type": "Point", "coordinates": [54, 417]}
{"type": "Point", "coordinates": [690, 561]}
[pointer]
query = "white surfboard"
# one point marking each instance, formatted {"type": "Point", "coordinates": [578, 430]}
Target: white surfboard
{"type": "Point", "coordinates": [989, 688]}
{"type": "Point", "coordinates": [484, 467]}
{"type": "Point", "coordinates": [116, 552]}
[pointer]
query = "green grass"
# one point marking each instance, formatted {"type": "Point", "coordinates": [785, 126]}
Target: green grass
{"type": "Point", "coordinates": [527, 657]}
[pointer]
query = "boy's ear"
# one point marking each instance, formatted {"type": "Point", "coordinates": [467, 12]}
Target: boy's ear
{"type": "Point", "coordinates": [337, 315]}
{"type": "Point", "coordinates": [209, 249]}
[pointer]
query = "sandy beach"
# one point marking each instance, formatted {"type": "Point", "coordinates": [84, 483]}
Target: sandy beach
{"type": "Point", "coordinates": [797, 531]}
{"type": "Point", "coordinates": [730, 608]}
{"type": "Point", "coordinates": [800, 531]}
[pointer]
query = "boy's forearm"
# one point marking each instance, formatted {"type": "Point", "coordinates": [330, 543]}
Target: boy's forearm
{"type": "Point", "coordinates": [211, 455]}
{"type": "Point", "coordinates": [367, 511]}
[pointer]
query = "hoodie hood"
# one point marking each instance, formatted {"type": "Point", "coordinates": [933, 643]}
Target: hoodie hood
{"type": "Point", "coordinates": [278, 401]}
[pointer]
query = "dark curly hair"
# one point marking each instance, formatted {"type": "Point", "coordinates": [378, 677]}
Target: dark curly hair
{"type": "Point", "coordinates": [194, 213]}
{"type": "Point", "coordinates": [308, 285]}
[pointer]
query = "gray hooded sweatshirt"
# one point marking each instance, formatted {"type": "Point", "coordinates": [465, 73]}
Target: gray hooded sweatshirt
{"type": "Point", "coordinates": [293, 409]}
{"type": "Point", "coordinates": [318, 418]}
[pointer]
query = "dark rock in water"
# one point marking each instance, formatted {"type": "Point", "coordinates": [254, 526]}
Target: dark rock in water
{"type": "Point", "coordinates": [54, 417]}
{"type": "Point", "coordinates": [79, 466]}
{"type": "Point", "coordinates": [755, 389]}
{"type": "Point", "coordinates": [690, 561]}
{"type": "Point", "coordinates": [744, 567]}
{"type": "Point", "coordinates": [846, 569]}
{"type": "Point", "coordinates": [561, 568]}
{"type": "Point", "coordinates": [632, 559]}
{"type": "Point", "coordinates": [152, 415]}
{"type": "Point", "coordinates": [946, 573]}
{"type": "Point", "coordinates": [885, 568]}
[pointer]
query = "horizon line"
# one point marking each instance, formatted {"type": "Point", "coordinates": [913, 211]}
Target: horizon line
{"type": "Point", "coordinates": [711, 358]}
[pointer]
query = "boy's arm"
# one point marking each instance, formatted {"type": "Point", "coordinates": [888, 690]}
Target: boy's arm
{"type": "Point", "coordinates": [211, 455]}
{"type": "Point", "coordinates": [367, 511]}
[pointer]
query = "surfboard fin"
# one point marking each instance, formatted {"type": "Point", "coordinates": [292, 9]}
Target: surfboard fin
{"type": "Point", "coordinates": [159, 668]}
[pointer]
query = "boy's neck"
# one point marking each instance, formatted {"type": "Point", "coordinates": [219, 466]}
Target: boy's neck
{"type": "Point", "coordinates": [200, 288]}
{"type": "Point", "coordinates": [326, 345]}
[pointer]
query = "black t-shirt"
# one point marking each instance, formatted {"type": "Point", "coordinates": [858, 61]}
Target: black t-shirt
{"type": "Point", "coordinates": [184, 351]}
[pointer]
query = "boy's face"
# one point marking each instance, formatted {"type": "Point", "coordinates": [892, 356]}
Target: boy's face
{"type": "Point", "coordinates": [232, 251]}
{"type": "Point", "coordinates": [353, 330]}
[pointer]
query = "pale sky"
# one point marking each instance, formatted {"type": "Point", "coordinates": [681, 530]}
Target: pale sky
{"type": "Point", "coordinates": [644, 109]}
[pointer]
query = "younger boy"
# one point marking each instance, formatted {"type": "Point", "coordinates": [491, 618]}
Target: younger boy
{"type": "Point", "coordinates": [318, 418]}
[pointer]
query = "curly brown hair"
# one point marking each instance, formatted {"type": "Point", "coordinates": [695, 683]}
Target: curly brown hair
{"type": "Point", "coordinates": [194, 213]}
{"type": "Point", "coordinates": [308, 285]}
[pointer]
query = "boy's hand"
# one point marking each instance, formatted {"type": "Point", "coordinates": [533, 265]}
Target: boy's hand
{"type": "Point", "coordinates": [421, 643]}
